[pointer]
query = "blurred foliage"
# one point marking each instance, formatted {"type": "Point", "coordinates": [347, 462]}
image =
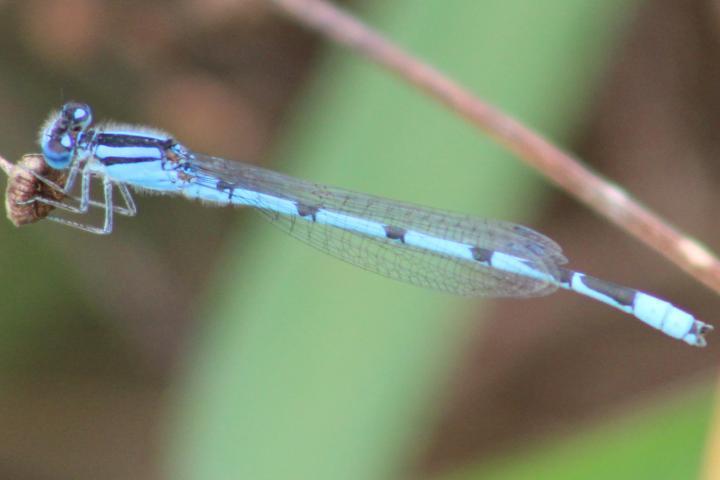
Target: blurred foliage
{"type": "Point", "coordinates": [664, 442]}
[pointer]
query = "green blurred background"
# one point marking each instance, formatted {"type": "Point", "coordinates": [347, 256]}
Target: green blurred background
{"type": "Point", "coordinates": [202, 343]}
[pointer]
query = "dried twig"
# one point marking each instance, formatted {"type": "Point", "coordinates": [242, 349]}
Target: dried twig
{"type": "Point", "coordinates": [559, 166]}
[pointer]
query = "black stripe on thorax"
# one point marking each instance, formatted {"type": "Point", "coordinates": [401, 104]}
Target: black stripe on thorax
{"type": "Point", "coordinates": [126, 160]}
{"type": "Point", "coordinates": [132, 140]}
{"type": "Point", "coordinates": [125, 140]}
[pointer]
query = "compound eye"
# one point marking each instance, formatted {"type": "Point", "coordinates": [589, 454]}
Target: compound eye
{"type": "Point", "coordinates": [57, 149]}
{"type": "Point", "coordinates": [61, 132]}
{"type": "Point", "coordinates": [78, 115]}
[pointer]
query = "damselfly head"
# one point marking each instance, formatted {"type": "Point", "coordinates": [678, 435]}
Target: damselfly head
{"type": "Point", "coordinates": [61, 131]}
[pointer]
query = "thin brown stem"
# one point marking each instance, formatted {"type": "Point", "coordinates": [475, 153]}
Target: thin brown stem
{"type": "Point", "coordinates": [560, 167]}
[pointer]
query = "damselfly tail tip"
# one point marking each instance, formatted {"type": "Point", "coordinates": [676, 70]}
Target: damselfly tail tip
{"type": "Point", "coordinates": [696, 336]}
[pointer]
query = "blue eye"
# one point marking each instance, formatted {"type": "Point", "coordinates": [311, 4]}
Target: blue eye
{"type": "Point", "coordinates": [78, 115]}
{"type": "Point", "coordinates": [57, 150]}
{"type": "Point", "coordinates": [61, 131]}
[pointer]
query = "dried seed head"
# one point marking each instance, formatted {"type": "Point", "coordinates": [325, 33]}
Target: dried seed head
{"type": "Point", "coordinates": [23, 186]}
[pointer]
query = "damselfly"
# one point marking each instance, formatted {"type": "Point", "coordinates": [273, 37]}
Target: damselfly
{"type": "Point", "coordinates": [428, 247]}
